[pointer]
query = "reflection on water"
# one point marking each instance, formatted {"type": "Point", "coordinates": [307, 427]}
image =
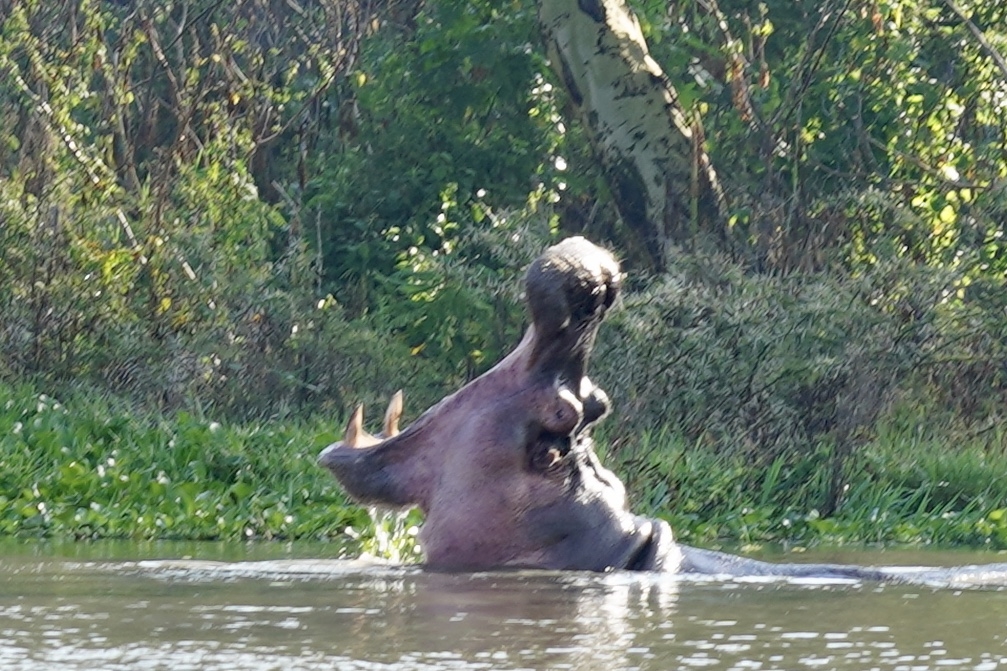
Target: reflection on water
{"type": "Point", "coordinates": [104, 612]}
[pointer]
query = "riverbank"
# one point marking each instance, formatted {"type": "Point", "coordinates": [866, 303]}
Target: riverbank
{"type": "Point", "coordinates": [92, 468]}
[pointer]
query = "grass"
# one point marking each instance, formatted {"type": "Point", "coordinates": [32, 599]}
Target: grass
{"type": "Point", "coordinates": [91, 468]}
{"type": "Point", "coordinates": [899, 488]}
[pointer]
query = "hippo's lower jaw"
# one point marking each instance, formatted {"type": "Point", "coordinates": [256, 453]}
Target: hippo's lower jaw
{"type": "Point", "coordinates": [659, 552]}
{"type": "Point", "coordinates": [647, 545]}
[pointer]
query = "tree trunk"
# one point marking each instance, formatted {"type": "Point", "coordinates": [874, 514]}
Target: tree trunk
{"type": "Point", "coordinates": [653, 159]}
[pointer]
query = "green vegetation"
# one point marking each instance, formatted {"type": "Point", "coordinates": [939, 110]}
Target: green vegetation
{"type": "Point", "coordinates": [901, 490]}
{"type": "Point", "coordinates": [222, 225]}
{"type": "Point", "coordinates": [91, 469]}
{"type": "Point", "coordinates": [96, 470]}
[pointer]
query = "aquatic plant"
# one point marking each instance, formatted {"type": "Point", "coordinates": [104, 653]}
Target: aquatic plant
{"type": "Point", "coordinates": [903, 488]}
{"type": "Point", "coordinates": [89, 467]}
{"type": "Point", "coordinates": [97, 469]}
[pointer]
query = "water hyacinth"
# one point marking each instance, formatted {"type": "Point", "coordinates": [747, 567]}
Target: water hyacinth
{"type": "Point", "coordinates": [91, 469]}
{"type": "Point", "coordinates": [101, 471]}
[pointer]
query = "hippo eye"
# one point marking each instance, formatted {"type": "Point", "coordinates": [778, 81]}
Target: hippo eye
{"type": "Point", "coordinates": [547, 453]}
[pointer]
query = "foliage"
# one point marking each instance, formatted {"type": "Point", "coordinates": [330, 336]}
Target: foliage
{"type": "Point", "coordinates": [260, 211]}
{"type": "Point", "coordinates": [447, 112]}
{"type": "Point", "coordinates": [465, 307]}
{"type": "Point", "coordinates": [854, 131]}
{"type": "Point", "coordinates": [187, 255]}
{"type": "Point", "coordinates": [136, 247]}
{"type": "Point", "coordinates": [764, 367]}
{"type": "Point", "coordinates": [91, 468]}
{"type": "Point", "coordinates": [902, 489]}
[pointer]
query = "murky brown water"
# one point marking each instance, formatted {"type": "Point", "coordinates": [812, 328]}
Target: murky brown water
{"type": "Point", "coordinates": [95, 607]}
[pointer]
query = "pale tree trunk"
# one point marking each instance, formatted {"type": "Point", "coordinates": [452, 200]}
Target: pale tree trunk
{"type": "Point", "coordinates": [653, 159]}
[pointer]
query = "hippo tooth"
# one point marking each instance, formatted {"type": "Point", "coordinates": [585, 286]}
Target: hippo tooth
{"type": "Point", "coordinates": [393, 414]}
{"type": "Point", "coordinates": [355, 435]}
{"type": "Point", "coordinates": [354, 428]}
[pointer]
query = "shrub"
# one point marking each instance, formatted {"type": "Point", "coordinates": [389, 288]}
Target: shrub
{"type": "Point", "coordinates": [770, 366]}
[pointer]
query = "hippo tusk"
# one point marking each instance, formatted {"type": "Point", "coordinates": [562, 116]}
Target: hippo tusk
{"type": "Point", "coordinates": [392, 415]}
{"type": "Point", "coordinates": [354, 428]}
{"type": "Point", "coordinates": [355, 435]}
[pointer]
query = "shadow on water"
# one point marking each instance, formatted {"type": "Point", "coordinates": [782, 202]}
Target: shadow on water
{"type": "Point", "coordinates": [98, 607]}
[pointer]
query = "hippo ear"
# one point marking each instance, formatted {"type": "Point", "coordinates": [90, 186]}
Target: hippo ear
{"type": "Point", "coordinates": [355, 435]}
{"type": "Point", "coordinates": [393, 415]}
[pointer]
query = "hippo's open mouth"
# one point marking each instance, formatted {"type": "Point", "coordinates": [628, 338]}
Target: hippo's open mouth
{"type": "Point", "coordinates": [504, 469]}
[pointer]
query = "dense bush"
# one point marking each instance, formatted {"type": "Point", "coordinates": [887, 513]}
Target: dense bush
{"type": "Point", "coordinates": [162, 238]}
{"type": "Point", "coordinates": [444, 112]}
{"type": "Point", "coordinates": [848, 132]}
{"type": "Point", "coordinates": [770, 366]}
{"type": "Point", "coordinates": [259, 209]}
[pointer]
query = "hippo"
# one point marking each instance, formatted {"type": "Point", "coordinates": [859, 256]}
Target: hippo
{"type": "Point", "coordinates": [505, 470]}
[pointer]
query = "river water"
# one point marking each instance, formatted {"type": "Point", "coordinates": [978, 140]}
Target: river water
{"type": "Point", "coordinates": [205, 607]}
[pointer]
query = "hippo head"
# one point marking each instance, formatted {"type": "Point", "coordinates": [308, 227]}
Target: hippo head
{"type": "Point", "coordinates": [504, 469]}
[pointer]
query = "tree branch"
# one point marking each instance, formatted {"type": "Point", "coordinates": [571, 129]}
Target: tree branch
{"type": "Point", "coordinates": [90, 163]}
{"type": "Point", "coordinates": [980, 36]}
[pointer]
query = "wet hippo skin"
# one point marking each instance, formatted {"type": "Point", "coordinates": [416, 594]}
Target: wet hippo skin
{"type": "Point", "coordinates": [505, 470]}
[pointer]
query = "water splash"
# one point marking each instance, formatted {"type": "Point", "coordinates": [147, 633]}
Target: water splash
{"type": "Point", "coordinates": [394, 537]}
